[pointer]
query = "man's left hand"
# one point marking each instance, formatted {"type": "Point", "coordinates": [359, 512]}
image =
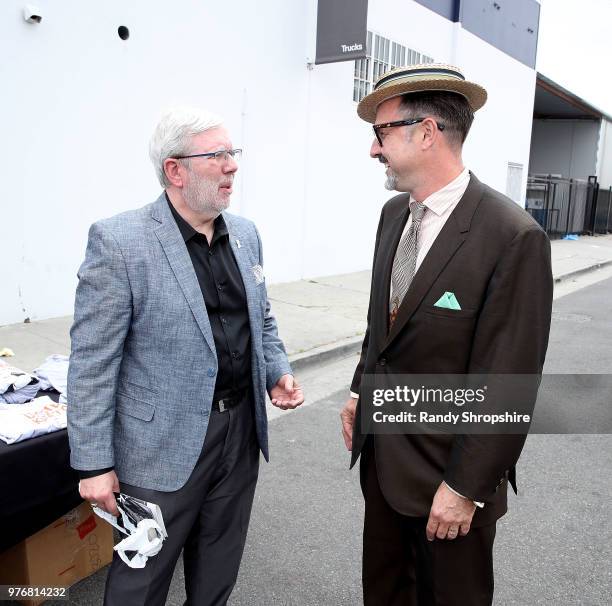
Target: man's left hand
{"type": "Point", "coordinates": [450, 515]}
{"type": "Point", "coordinates": [286, 393]}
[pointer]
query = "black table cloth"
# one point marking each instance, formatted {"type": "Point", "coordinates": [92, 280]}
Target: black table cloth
{"type": "Point", "coordinates": [37, 485]}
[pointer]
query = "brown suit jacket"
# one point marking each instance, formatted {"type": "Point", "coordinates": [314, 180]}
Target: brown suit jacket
{"type": "Point", "coordinates": [496, 259]}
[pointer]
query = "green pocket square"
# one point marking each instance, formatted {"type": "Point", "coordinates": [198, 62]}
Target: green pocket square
{"type": "Point", "coordinates": [448, 301]}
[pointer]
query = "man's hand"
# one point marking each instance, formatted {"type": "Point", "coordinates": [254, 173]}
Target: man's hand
{"type": "Point", "coordinates": [287, 393]}
{"type": "Point", "coordinates": [347, 416]}
{"type": "Point", "coordinates": [99, 491]}
{"type": "Point", "coordinates": [450, 515]}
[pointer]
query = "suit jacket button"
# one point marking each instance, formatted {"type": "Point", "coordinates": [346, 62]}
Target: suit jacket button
{"type": "Point", "coordinates": [211, 372]}
{"type": "Point", "coordinates": [382, 361]}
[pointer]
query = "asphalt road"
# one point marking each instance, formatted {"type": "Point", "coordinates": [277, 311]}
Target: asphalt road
{"type": "Point", "coordinates": [553, 547]}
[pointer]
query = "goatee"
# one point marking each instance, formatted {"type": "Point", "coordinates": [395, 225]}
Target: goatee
{"type": "Point", "coordinates": [391, 181]}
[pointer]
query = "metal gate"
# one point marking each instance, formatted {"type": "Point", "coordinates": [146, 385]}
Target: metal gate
{"type": "Point", "coordinates": [569, 206]}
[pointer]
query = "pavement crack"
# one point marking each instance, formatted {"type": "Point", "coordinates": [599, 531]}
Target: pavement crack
{"type": "Point", "coordinates": [337, 286]}
{"type": "Point", "coordinates": [301, 306]}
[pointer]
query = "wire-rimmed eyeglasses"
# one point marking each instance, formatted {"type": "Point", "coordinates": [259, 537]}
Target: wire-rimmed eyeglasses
{"type": "Point", "coordinates": [222, 155]}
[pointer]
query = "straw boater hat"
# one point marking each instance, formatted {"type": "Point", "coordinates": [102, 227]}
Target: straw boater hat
{"type": "Point", "coordinates": [417, 79]}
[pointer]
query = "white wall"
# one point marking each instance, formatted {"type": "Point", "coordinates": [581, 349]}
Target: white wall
{"type": "Point", "coordinates": [564, 147]}
{"type": "Point", "coordinates": [80, 104]}
{"type": "Point", "coordinates": [501, 132]}
{"type": "Point", "coordinates": [604, 154]}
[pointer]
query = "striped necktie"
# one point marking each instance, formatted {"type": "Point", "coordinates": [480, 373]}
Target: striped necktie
{"type": "Point", "coordinates": [404, 263]}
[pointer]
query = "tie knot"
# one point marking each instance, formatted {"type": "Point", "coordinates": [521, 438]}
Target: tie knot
{"type": "Point", "coordinates": [417, 212]}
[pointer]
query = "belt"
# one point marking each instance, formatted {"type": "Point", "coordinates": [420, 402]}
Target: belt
{"type": "Point", "coordinates": [229, 401]}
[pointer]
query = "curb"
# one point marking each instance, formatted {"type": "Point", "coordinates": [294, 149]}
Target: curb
{"type": "Point", "coordinates": [324, 353]}
{"type": "Point", "coordinates": [583, 270]}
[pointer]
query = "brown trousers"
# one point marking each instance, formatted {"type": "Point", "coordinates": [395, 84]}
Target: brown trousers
{"type": "Point", "coordinates": [401, 567]}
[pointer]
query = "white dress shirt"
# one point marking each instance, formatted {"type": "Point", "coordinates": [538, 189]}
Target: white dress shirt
{"type": "Point", "coordinates": [439, 207]}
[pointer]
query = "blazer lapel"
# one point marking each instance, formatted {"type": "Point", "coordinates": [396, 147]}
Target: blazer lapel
{"type": "Point", "coordinates": [238, 242]}
{"type": "Point", "coordinates": [176, 252]}
{"type": "Point", "coordinates": [447, 243]}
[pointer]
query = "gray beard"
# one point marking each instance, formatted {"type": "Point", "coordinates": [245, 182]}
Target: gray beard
{"type": "Point", "coordinates": [391, 181]}
{"type": "Point", "coordinates": [202, 196]}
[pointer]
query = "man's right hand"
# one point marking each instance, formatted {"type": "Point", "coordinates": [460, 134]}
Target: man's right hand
{"type": "Point", "coordinates": [99, 491]}
{"type": "Point", "coordinates": [347, 416]}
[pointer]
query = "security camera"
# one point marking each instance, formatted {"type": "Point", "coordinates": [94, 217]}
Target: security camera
{"type": "Point", "coordinates": [32, 14]}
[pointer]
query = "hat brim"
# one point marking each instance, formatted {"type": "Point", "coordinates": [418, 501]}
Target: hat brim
{"type": "Point", "coordinates": [475, 94]}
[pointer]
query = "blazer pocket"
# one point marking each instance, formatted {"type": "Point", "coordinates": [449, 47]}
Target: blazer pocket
{"type": "Point", "coordinates": [133, 390]}
{"type": "Point", "coordinates": [134, 400]}
{"type": "Point", "coordinates": [441, 312]}
{"type": "Point", "coordinates": [126, 405]}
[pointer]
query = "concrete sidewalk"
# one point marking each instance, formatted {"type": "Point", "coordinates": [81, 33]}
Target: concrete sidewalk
{"type": "Point", "coordinates": [318, 319]}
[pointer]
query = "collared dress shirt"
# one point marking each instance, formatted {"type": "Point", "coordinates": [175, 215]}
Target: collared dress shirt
{"type": "Point", "coordinates": [224, 295]}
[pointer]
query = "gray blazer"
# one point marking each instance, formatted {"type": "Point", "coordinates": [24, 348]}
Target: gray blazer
{"type": "Point", "coordinates": [143, 364]}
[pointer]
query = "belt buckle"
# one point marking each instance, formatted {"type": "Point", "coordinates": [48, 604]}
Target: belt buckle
{"type": "Point", "coordinates": [222, 407]}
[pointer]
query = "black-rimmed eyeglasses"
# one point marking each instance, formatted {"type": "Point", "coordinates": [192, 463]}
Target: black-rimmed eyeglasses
{"type": "Point", "coordinates": [378, 127]}
{"type": "Point", "coordinates": [221, 155]}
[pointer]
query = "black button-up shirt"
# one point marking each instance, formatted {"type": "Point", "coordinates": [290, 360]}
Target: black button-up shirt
{"type": "Point", "coordinates": [225, 299]}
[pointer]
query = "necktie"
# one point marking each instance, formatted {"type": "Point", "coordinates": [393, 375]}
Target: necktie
{"type": "Point", "coordinates": [404, 263]}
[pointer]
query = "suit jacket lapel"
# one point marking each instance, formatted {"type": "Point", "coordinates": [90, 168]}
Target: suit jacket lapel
{"type": "Point", "coordinates": [176, 252]}
{"type": "Point", "coordinates": [447, 243]}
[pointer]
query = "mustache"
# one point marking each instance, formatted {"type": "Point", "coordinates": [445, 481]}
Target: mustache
{"type": "Point", "coordinates": [382, 159]}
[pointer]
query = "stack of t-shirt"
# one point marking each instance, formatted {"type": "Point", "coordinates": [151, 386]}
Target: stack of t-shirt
{"type": "Point", "coordinates": [22, 415]}
{"type": "Point", "coordinates": [53, 374]}
{"type": "Point", "coordinates": [16, 386]}
{"type": "Point", "coordinates": [43, 415]}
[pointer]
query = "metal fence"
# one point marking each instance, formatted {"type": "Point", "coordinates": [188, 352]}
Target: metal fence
{"type": "Point", "coordinates": [603, 211]}
{"type": "Point", "coordinates": [569, 206]}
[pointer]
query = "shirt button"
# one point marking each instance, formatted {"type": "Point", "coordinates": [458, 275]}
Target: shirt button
{"type": "Point", "coordinates": [382, 361]}
{"type": "Point", "coordinates": [211, 372]}
{"type": "Point", "coordinates": [210, 252]}
{"type": "Point", "coordinates": [219, 286]}
{"type": "Point", "coordinates": [223, 320]}
{"type": "Point", "coordinates": [235, 355]}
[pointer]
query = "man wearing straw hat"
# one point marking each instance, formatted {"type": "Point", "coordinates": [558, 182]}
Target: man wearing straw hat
{"type": "Point", "coordinates": [461, 283]}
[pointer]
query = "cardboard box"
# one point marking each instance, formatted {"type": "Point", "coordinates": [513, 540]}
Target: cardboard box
{"type": "Point", "coordinates": [68, 550]}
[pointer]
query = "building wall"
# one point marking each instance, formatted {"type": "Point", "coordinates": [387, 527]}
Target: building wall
{"type": "Point", "coordinates": [564, 147]}
{"type": "Point", "coordinates": [510, 25]}
{"type": "Point", "coordinates": [80, 105]}
{"type": "Point", "coordinates": [501, 134]}
{"type": "Point", "coordinates": [604, 154]}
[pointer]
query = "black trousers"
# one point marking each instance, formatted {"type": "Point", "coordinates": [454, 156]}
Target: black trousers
{"type": "Point", "coordinates": [401, 567]}
{"type": "Point", "coordinates": [207, 518]}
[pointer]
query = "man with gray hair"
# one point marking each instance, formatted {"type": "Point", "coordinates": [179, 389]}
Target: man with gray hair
{"type": "Point", "coordinates": [173, 349]}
